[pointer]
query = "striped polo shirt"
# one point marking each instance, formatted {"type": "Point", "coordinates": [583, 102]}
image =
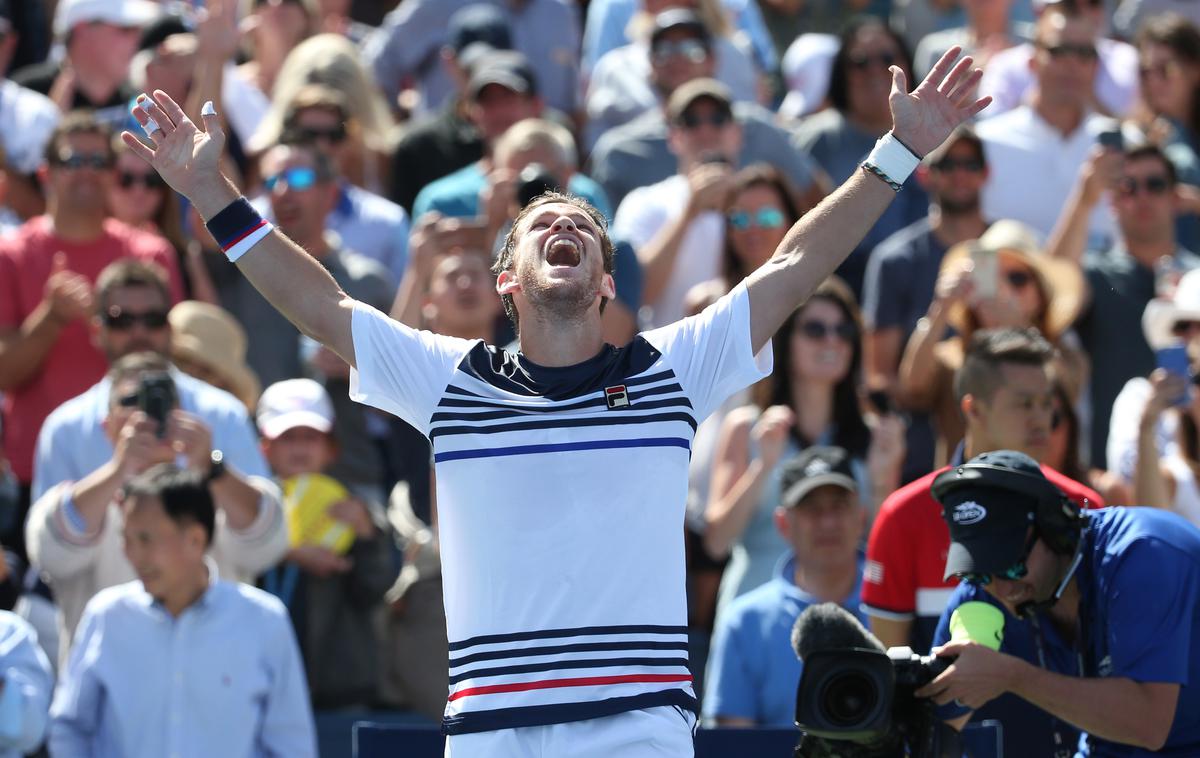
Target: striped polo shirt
{"type": "Point", "coordinates": [561, 498]}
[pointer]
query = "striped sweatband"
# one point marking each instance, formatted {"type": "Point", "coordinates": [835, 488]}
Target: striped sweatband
{"type": "Point", "coordinates": [238, 228]}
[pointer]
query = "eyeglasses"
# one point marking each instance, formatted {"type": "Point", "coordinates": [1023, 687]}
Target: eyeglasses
{"type": "Point", "coordinates": [298, 178]}
{"type": "Point", "coordinates": [151, 181]}
{"type": "Point", "coordinates": [76, 161]}
{"type": "Point", "coordinates": [1164, 70]}
{"type": "Point", "coordinates": [946, 165]}
{"type": "Point", "coordinates": [1014, 572]}
{"type": "Point", "coordinates": [121, 321]}
{"type": "Point", "coordinates": [819, 330]}
{"type": "Point", "coordinates": [333, 134]}
{"type": "Point", "coordinates": [863, 62]}
{"type": "Point", "coordinates": [694, 51]}
{"type": "Point", "coordinates": [718, 119]}
{"type": "Point", "coordinates": [763, 218]}
{"type": "Point", "coordinates": [1018, 279]}
{"type": "Point", "coordinates": [1128, 186]}
{"type": "Point", "coordinates": [1083, 51]}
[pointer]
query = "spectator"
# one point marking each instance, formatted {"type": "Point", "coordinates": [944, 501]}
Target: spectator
{"type": "Point", "coordinates": [1132, 16]}
{"type": "Point", "coordinates": [277, 27]}
{"type": "Point", "coordinates": [410, 40]}
{"type": "Point", "coordinates": [1121, 280]}
{"type": "Point", "coordinates": [99, 38]}
{"type": "Point", "coordinates": [28, 685]}
{"type": "Point", "coordinates": [811, 399]}
{"type": "Point", "coordinates": [753, 669]}
{"type": "Point", "coordinates": [339, 565]}
{"type": "Point", "coordinates": [1127, 677]}
{"type": "Point", "coordinates": [805, 68]}
{"type": "Point", "coordinates": [788, 20]}
{"type": "Point", "coordinates": [75, 529]}
{"type": "Point", "coordinates": [1006, 393]}
{"type": "Point", "coordinates": [46, 273]}
{"type": "Point", "coordinates": [1066, 442]}
{"type": "Point", "coordinates": [1031, 289]}
{"type": "Point", "coordinates": [140, 198]}
{"type": "Point", "coordinates": [1051, 135]}
{"type": "Point", "coordinates": [1012, 75]}
{"type": "Point", "coordinates": [840, 136]}
{"type": "Point", "coordinates": [27, 119]}
{"type": "Point", "coordinates": [989, 29]}
{"type": "Point", "coordinates": [210, 345]}
{"type": "Point", "coordinates": [670, 49]}
{"type": "Point", "coordinates": [180, 659]}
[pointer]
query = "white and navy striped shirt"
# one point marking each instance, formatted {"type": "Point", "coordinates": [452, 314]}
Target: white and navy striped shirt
{"type": "Point", "coordinates": [560, 504]}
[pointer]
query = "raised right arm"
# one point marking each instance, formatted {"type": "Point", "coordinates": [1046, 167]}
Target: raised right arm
{"type": "Point", "coordinates": [299, 287]}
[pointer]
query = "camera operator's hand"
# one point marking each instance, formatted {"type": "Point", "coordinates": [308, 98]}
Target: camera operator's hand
{"type": "Point", "coordinates": [977, 676]}
{"type": "Point", "coordinates": [191, 438]}
{"type": "Point", "coordinates": [138, 446]}
{"type": "Point", "coordinates": [710, 184]}
{"type": "Point", "coordinates": [770, 434]}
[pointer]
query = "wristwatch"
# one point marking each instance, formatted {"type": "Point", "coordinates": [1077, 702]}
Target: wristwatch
{"type": "Point", "coordinates": [216, 468]}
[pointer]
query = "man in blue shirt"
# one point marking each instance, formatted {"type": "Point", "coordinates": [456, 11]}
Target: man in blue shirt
{"type": "Point", "coordinates": [1119, 587]}
{"type": "Point", "coordinates": [180, 663]}
{"type": "Point", "coordinates": [753, 670]}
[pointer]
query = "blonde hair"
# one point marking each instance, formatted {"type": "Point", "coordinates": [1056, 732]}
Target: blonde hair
{"type": "Point", "coordinates": [333, 61]}
{"type": "Point", "coordinates": [710, 12]}
{"type": "Point", "coordinates": [535, 134]}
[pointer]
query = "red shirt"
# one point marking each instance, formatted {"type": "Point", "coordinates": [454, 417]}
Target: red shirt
{"type": "Point", "coordinates": [906, 554]}
{"type": "Point", "coordinates": [74, 363]}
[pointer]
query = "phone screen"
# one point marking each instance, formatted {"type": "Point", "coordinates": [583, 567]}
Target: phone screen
{"type": "Point", "coordinates": [1174, 360]}
{"type": "Point", "coordinates": [985, 273]}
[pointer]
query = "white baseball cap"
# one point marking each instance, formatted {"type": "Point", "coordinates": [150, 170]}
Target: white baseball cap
{"type": "Point", "coordinates": [292, 403]}
{"type": "Point", "coordinates": [130, 13]}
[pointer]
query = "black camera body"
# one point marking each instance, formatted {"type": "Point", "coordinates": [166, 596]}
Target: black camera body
{"type": "Point", "coordinates": [860, 702]}
{"type": "Point", "coordinates": [534, 180]}
{"type": "Point", "coordinates": [156, 398]}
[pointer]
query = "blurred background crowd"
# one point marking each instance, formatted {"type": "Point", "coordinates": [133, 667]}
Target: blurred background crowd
{"type": "Point", "coordinates": [1033, 287]}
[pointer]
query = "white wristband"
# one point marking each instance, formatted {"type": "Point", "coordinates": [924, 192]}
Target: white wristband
{"type": "Point", "coordinates": [242, 246]}
{"type": "Point", "coordinates": [892, 159]}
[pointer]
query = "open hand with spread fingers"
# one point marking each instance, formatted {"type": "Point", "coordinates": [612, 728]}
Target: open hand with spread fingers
{"type": "Point", "coordinates": [185, 156]}
{"type": "Point", "coordinates": [923, 118]}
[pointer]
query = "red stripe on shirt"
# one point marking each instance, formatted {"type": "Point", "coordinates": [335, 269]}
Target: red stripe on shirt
{"type": "Point", "coordinates": [586, 681]}
{"type": "Point", "coordinates": [245, 234]}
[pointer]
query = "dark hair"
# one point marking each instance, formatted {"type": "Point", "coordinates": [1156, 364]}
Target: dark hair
{"type": "Point", "coordinates": [990, 349]}
{"type": "Point", "coordinates": [183, 493]}
{"type": "Point", "coordinates": [839, 87]}
{"type": "Point", "coordinates": [134, 365]}
{"type": "Point", "coordinates": [507, 258]}
{"type": "Point", "coordinates": [756, 175]}
{"type": "Point", "coordinates": [1153, 152]}
{"type": "Point", "coordinates": [77, 122]}
{"type": "Point", "coordinates": [1183, 38]}
{"type": "Point", "coordinates": [850, 431]}
{"type": "Point", "coordinates": [322, 163]}
{"type": "Point", "coordinates": [130, 272]}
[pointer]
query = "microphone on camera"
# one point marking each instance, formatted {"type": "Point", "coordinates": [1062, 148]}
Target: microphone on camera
{"type": "Point", "coordinates": [828, 626]}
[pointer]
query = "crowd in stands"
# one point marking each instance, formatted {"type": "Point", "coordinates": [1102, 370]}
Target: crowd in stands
{"type": "Point", "coordinates": [1034, 287]}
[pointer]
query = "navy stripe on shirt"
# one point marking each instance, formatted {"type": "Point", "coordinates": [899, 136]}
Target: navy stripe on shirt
{"type": "Point", "coordinates": [579, 631]}
{"type": "Point", "coordinates": [579, 647]}
{"type": "Point", "coordinates": [499, 452]}
{"type": "Point", "coordinates": [612, 419]}
{"type": "Point", "coordinates": [561, 713]}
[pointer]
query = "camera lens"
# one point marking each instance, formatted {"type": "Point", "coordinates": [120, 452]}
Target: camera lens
{"type": "Point", "coordinates": [849, 699]}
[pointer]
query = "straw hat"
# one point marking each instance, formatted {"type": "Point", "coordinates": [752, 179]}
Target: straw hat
{"type": "Point", "coordinates": [206, 334]}
{"type": "Point", "coordinates": [1061, 282]}
{"type": "Point", "coordinates": [1161, 314]}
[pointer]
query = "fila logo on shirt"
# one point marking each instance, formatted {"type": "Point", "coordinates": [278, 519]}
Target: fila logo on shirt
{"type": "Point", "coordinates": [616, 397]}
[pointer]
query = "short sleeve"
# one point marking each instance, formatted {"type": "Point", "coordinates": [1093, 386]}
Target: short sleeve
{"type": "Point", "coordinates": [10, 302]}
{"type": "Point", "coordinates": [1149, 633]}
{"type": "Point", "coordinates": [711, 352]}
{"type": "Point", "coordinates": [399, 369]}
{"type": "Point", "coordinates": [729, 690]}
{"type": "Point", "coordinates": [889, 588]}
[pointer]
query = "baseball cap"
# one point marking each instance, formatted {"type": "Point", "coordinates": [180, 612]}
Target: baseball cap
{"type": "Point", "coordinates": [989, 525]}
{"type": "Point", "coordinates": [507, 68]}
{"type": "Point", "coordinates": [678, 18]}
{"type": "Point", "coordinates": [293, 403]}
{"type": "Point", "coordinates": [689, 92]}
{"type": "Point", "coordinates": [812, 468]}
{"type": "Point", "coordinates": [128, 13]}
{"type": "Point", "coordinates": [479, 23]}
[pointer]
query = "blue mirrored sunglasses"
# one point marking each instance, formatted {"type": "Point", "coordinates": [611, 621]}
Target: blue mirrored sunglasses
{"type": "Point", "coordinates": [765, 218]}
{"type": "Point", "coordinates": [1014, 572]}
{"type": "Point", "coordinates": [297, 178]}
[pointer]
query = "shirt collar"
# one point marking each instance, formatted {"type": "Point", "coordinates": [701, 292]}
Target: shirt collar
{"type": "Point", "coordinates": [205, 601]}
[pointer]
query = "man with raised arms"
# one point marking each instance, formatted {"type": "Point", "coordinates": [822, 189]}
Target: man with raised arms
{"type": "Point", "coordinates": [561, 468]}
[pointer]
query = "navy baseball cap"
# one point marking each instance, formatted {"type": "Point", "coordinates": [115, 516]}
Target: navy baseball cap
{"type": "Point", "coordinates": [812, 468]}
{"type": "Point", "coordinates": [479, 23]}
{"type": "Point", "coordinates": [989, 524]}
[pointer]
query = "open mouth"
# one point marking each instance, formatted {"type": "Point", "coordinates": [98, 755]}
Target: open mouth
{"type": "Point", "coordinates": [564, 251]}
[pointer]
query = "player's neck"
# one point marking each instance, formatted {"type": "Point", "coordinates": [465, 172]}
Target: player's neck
{"type": "Point", "coordinates": [552, 343]}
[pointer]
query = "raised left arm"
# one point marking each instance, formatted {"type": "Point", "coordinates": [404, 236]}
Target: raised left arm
{"type": "Point", "coordinates": [822, 239]}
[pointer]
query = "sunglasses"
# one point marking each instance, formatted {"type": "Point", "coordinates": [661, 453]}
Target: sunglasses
{"type": "Point", "coordinates": [763, 218]}
{"type": "Point", "coordinates": [76, 161]}
{"type": "Point", "coordinates": [1018, 279]}
{"type": "Point", "coordinates": [1083, 51]}
{"type": "Point", "coordinates": [864, 62]}
{"type": "Point", "coordinates": [718, 119]}
{"type": "Point", "coordinates": [819, 330]}
{"type": "Point", "coordinates": [129, 179]}
{"type": "Point", "coordinates": [1014, 572]}
{"type": "Point", "coordinates": [298, 178]}
{"type": "Point", "coordinates": [693, 50]}
{"type": "Point", "coordinates": [121, 321]}
{"type": "Point", "coordinates": [1183, 328]}
{"type": "Point", "coordinates": [333, 134]}
{"type": "Point", "coordinates": [946, 165]}
{"type": "Point", "coordinates": [1155, 186]}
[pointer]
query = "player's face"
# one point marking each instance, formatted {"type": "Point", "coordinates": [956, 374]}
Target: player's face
{"type": "Point", "coordinates": [559, 263]}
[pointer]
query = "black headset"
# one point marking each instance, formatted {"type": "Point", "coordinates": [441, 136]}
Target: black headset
{"type": "Point", "coordinates": [1058, 521]}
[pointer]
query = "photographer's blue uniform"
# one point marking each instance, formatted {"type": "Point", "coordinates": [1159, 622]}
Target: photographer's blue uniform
{"type": "Point", "coordinates": [752, 668]}
{"type": "Point", "coordinates": [1139, 618]}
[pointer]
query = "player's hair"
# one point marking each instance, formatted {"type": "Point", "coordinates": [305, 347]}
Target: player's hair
{"type": "Point", "coordinates": [991, 349]}
{"type": "Point", "coordinates": [183, 493]}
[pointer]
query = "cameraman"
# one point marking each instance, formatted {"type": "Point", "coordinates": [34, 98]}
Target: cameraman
{"type": "Point", "coordinates": [75, 529]}
{"type": "Point", "coordinates": [1117, 589]}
